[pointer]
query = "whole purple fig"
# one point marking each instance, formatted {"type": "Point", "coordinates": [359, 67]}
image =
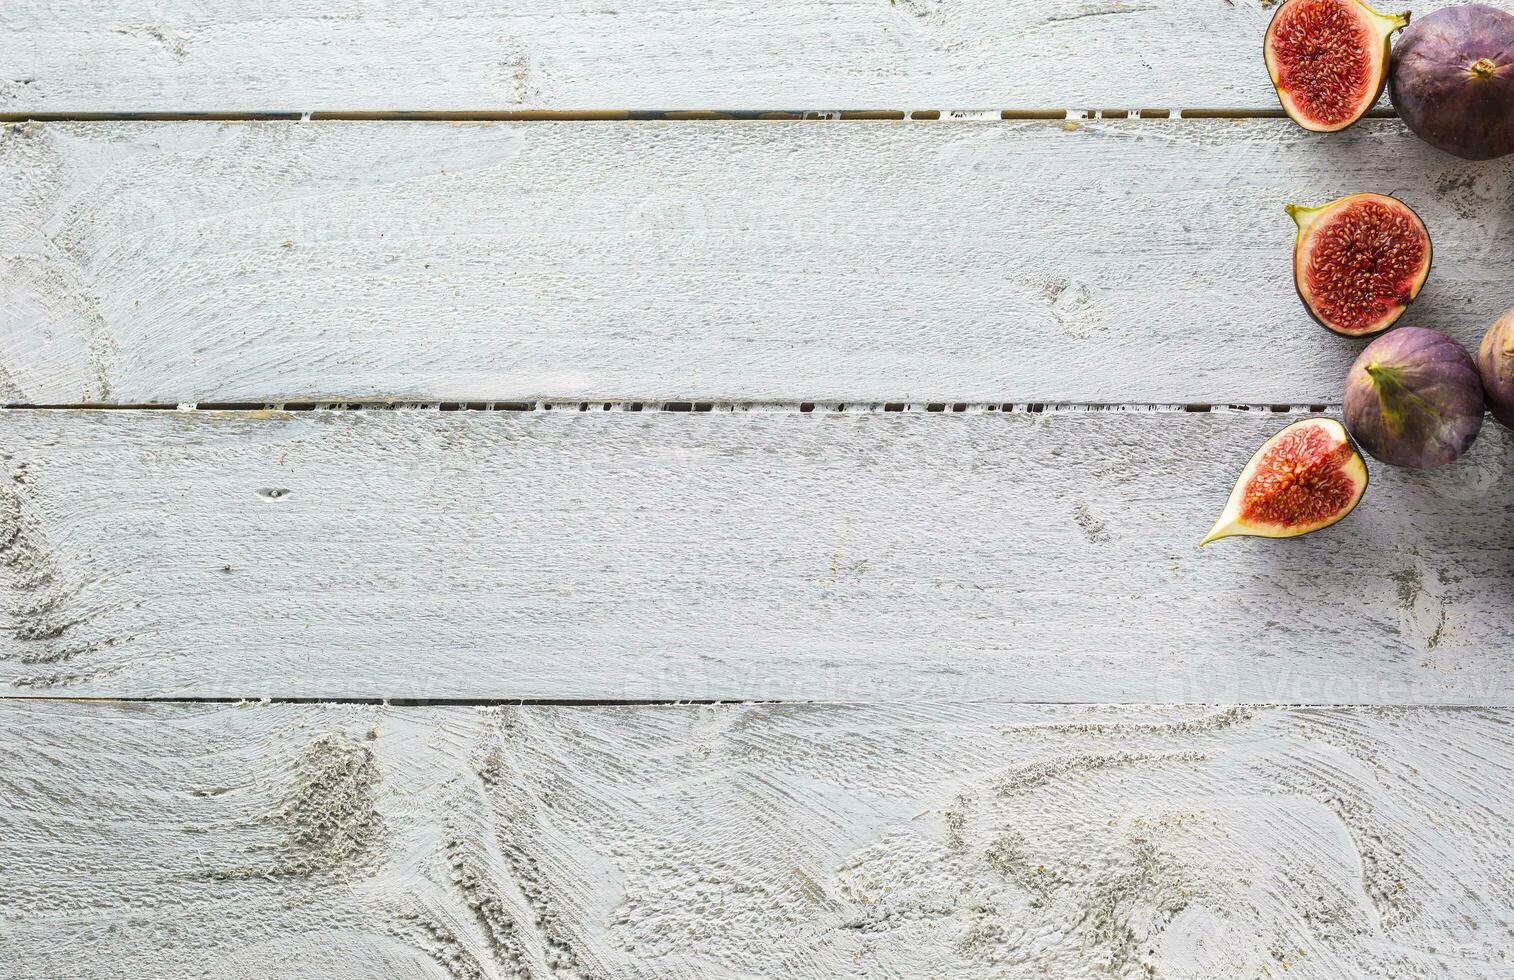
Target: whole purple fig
{"type": "Point", "coordinates": [1413, 398]}
{"type": "Point", "coordinates": [1495, 363]}
{"type": "Point", "coordinates": [1452, 80]}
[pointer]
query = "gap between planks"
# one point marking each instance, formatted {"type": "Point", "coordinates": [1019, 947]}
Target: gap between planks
{"type": "Point", "coordinates": [659, 115]}
{"type": "Point", "coordinates": [528, 702]}
{"type": "Point", "coordinates": [818, 407]}
{"type": "Point", "coordinates": [403, 702]}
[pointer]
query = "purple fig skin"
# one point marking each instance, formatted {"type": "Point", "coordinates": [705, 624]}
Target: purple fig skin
{"type": "Point", "coordinates": [1413, 398]}
{"type": "Point", "coordinates": [1452, 80]}
{"type": "Point", "coordinates": [1495, 363]}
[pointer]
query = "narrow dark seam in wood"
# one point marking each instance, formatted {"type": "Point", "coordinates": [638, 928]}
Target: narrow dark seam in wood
{"type": "Point", "coordinates": [1384, 113]}
{"type": "Point", "coordinates": [652, 115]}
{"type": "Point", "coordinates": [502, 702]}
{"type": "Point", "coordinates": [712, 406]}
{"type": "Point", "coordinates": [402, 702]}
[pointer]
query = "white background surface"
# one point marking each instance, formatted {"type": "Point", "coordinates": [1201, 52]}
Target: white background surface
{"type": "Point", "coordinates": [1026, 728]}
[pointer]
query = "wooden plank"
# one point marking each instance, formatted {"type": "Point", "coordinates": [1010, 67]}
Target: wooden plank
{"type": "Point", "coordinates": [179, 841]}
{"type": "Point", "coordinates": [1039, 557]}
{"type": "Point", "coordinates": [312, 54]}
{"type": "Point", "coordinates": [208, 55]}
{"type": "Point", "coordinates": [1038, 262]}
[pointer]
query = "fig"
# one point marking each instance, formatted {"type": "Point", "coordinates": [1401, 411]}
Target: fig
{"type": "Point", "coordinates": [1495, 366]}
{"type": "Point", "coordinates": [1453, 81]}
{"type": "Point", "coordinates": [1329, 60]}
{"type": "Point", "coordinates": [1306, 477]}
{"type": "Point", "coordinates": [1413, 398]}
{"type": "Point", "coordinates": [1358, 262]}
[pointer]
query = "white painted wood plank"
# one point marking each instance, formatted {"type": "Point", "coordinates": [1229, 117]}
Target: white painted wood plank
{"type": "Point", "coordinates": [1110, 262]}
{"type": "Point", "coordinates": [178, 841]}
{"type": "Point", "coordinates": [1039, 557]}
{"type": "Point", "coordinates": [129, 55]}
{"type": "Point", "coordinates": [419, 54]}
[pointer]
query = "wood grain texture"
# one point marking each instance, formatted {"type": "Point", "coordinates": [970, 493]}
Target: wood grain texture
{"type": "Point", "coordinates": [430, 54]}
{"type": "Point", "coordinates": [1141, 261]}
{"type": "Point", "coordinates": [177, 841]}
{"type": "Point", "coordinates": [1033, 557]}
{"type": "Point", "coordinates": [90, 55]}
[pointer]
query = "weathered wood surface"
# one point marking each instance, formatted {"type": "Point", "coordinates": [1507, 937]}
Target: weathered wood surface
{"type": "Point", "coordinates": [1139, 261]}
{"type": "Point", "coordinates": [1039, 557]}
{"type": "Point", "coordinates": [422, 54]}
{"type": "Point", "coordinates": [207, 55]}
{"type": "Point", "coordinates": [177, 841]}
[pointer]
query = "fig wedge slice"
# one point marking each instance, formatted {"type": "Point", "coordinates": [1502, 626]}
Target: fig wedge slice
{"type": "Point", "coordinates": [1329, 60]}
{"type": "Point", "coordinates": [1306, 477]}
{"type": "Point", "coordinates": [1359, 261]}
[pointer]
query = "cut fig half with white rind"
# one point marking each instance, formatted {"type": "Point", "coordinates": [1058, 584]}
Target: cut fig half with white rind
{"type": "Point", "coordinates": [1359, 261]}
{"type": "Point", "coordinates": [1305, 478]}
{"type": "Point", "coordinates": [1329, 60]}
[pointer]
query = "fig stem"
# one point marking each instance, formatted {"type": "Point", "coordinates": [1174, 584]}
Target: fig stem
{"type": "Point", "coordinates": [1393, 396]}
{"type": "Point", "coordinates": [1484, 68]}
{"type": "Point", "coordinates": [1393, 22]}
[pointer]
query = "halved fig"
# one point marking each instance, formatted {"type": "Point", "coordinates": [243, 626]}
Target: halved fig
{"type": "Point", "coordinates": [1305, 478]}
{"type": "Point", "coordinates": [1359, 262]}
{"type": "Point", "coordinates": [1329, 60]}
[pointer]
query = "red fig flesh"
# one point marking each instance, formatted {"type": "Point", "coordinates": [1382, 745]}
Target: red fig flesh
{"type": "Point", "coordinates": [1359, 262]}
{"type": "Point", "coordinates": [1329, 60]}
{"type": "Point", "coordinates": [1413, 398]}
{"type": "Point", "coordinates": [1306, 477]}
{"type": "Point", "coordinates": [1453, 80]}
{"type": "Point", "coordinates": [1495, 365]}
